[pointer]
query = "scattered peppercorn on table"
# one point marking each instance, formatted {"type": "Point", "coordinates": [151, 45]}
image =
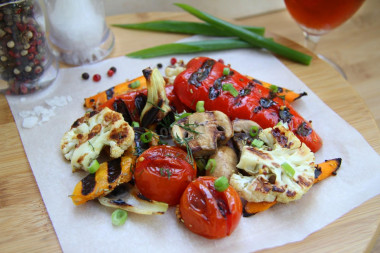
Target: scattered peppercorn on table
{"type": "Point", "coordinates": [25, 223]}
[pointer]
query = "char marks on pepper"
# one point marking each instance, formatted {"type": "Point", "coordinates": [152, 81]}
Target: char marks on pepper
{"type": "Point", "coordinates": [114, 170]}
{"type": "Point", "coordinates": [110, 93]}
{"type": "Point", "coordinates": [88, 184]}
{"type": "Point", "coordinates": [202, 73]}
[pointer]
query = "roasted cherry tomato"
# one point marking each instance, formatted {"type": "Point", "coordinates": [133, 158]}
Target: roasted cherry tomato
{"type": "Point", "coordinates": [208, 212]}
{"type": "Point", "coordinates": [163, 172]}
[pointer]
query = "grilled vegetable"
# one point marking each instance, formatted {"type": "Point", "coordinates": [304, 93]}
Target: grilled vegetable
{"type": "Point", "coordinates": [225, 162]}
{"type": "Point", "coordinates": [321, 172]}
{"type": "Point", "coordinates": [102, 97]}
{"type": "Point", "coordinates": [127, 197]}
{"type": "Point", "coordinates": [243, 132]}
{"type": "Point", "coordinates": [282, 170]}
{"type": "Point", "coordinates": [288, 95]}
{"type": "Point", "coordinates": [89, 134]}
{"type": "Point", "coordinates": [208, 212]}
{"type": "Point", "coordinates": [204, 131]}
{"type": "Point", "coordinates": [163, 172]}
{"type": "Point", "coordinates": [204, 80]}
{"type": "Point", "coordinates": [157, 104]}
{"type": "Point", "coordinates": [326, 169]}
{"type": "Point", "coordinates": [106, 178]}
{"type": "Point", "coordinates": [251, 208]}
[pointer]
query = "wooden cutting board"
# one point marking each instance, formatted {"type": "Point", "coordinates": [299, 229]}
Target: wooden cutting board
{"type": "Point", "coordinates": [24, 222]}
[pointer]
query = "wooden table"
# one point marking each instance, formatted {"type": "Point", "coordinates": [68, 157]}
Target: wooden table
{"type": "Point", "coordinates": [25, 225]}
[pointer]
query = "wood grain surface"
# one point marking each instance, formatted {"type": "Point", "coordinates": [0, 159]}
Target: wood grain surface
{"type": "Point", "coordinates": [25, 225]}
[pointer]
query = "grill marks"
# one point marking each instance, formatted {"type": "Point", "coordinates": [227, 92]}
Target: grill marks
{"type": "Point", "coordinates": [113, 173]}
{"type": "Point", "coordinates": [202, 73]}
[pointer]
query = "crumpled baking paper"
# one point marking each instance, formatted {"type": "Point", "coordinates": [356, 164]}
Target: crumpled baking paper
{"type": "Point", "coordinates": [88, 228]}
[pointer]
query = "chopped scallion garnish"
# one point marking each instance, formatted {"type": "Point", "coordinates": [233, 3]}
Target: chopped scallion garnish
{"type": "Point", "coordinates": [94, 166]}
{"type": "Point", "coordinates": [146, 137]}
{"type": "Point", "coordinates": [135, 84]}
{"type": "Point", "coordinates": [273, 88]}
{"type": "Point", "coordinates": [135, 124]}
{"type": "Point", "coordinates": [230, 88]}
{"type": "Point", "coordinates": [257, 143]}
{"type": "Point", "coordinates": [211, 164]}
{"type": "Point", "coordinates": [200, 107]}
{"type": "Point", "coordinates": [119, 217]}
{"type": "Point", "coordinates": [221, 184]}
{"type": "Point", "coordinates": [288, 169]}
{"type": "Point", "coordinates": [226, 71]}
{"type": "Point", "coordinates": [253, 131]}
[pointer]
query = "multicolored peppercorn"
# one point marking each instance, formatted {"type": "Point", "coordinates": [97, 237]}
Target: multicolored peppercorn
{"type": "Point", "coordinates": [22, 47]}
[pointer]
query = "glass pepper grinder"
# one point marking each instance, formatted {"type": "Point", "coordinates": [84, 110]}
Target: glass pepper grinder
{"type": "Point", "coordinates": [26, 63]}
{"type": "Point", "coordinates": [78, 32]}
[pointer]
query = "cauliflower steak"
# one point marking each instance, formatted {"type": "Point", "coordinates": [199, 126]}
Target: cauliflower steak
{"type": "Point", "coordinates": [282, 169]}
{"type": "Point", "coordinates": [89, 134]}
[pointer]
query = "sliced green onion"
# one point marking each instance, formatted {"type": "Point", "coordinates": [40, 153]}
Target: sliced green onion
{"type": "Point", "coordinates": [200, 107]}
{"type": "Point", "coordinates": [257, 143]}
{"type": "Point", "coordinates": [211, 164]}
{"type": "Point", "coordinates": [230, 88]}
{"type": "Point", "coordinates": [185, 27]}
{"type": "Point", "coordinates": [146, 137]}
{"type": "Point", "coordinates": [221, 184]}
{"type": "Point", "coordinates": [273, 88]}
{"type": "Point", "coordinates": [250, 37]}
{"type": "Point", "coordinates": [226, 71]}
{"type": "Point", "coordinates": [253, 131]}
{"type": "Point", "coordinates": [94, 166]}
{"type": "Point", "coordinates": [190, 47]}
{"type": "Point", "coordinates": [288, 169]}
{"type": "Point", "coordinates": [135, 84]}
{"type": "Point", "coordinates": [135, 124]}
{"type": "Point", "coordinates": [119, 216]}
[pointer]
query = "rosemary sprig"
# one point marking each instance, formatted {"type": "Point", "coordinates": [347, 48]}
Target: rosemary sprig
{"type": "Point", "coordinates": [185, 141]}
{"type": "Point", "coordinates": [188, 127]}
{"type": "Point", "coordinates": [159, 108]}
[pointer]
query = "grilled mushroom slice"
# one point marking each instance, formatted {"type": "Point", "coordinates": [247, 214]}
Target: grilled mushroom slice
{"type": "Point", "coordinates": [157, 104]}
{"type": "Point", "coordinates": [127, 197]}
{"type": "Point", "coordinates": [242, 129]}
{"type": "Point", "coordinates": [226, 161]}
{"type": "Point", "coordinates": [202, 132]}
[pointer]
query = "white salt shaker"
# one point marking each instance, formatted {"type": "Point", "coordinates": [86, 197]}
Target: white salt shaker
{"type": "Point", "coordinates": [78, 32]}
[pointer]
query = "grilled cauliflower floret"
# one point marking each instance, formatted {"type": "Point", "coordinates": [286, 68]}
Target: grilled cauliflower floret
{"type": "Point", "coordinates": [89, 134]}
{"type": "Point", "coordinates": [270, 176]}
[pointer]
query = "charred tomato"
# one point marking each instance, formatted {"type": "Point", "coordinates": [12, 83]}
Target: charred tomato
{"type": "Point", "coordinates": [163, 172]}
{"type": "Point", "coordinates": [208, 212]}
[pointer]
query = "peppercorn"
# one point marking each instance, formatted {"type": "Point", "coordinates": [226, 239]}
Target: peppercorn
{"type": "Point", "coordinates": [113, 69]}
{"type": "Point", "coordinates": [96, 78]}
{"type": "Point", "coordinates": [173, 61]}
{"type": "Point", "coordinates": [85, 76]}
{"type": "Point", "coordinates": [110, 72]}
{"type": "Point", "coordinates": [159, 65]}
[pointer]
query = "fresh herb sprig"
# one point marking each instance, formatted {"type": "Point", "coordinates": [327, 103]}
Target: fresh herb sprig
{"type": "Point", "coordinates": [185, 141]}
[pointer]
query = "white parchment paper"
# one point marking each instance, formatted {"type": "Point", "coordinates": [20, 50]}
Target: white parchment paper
{"type": "Point", "coordinates": [88, 228]}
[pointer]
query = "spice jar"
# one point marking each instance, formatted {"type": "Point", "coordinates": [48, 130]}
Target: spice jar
{"type": "Point", "coordinates": [77, 30]}
{"type": "Point", "coordinates": [26, 63]}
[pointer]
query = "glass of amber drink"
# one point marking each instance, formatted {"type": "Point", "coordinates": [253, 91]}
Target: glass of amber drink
{"type": "Point", "coordinates": [318, 17]}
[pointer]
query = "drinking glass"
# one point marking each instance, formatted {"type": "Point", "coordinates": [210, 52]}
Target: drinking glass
{"type": "Point", "coordinates": [318, 17]}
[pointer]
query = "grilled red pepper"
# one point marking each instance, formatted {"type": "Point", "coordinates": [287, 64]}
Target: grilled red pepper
{"type": "Point", "coordinates": [132, 103]}
{"type": "Point", "coordinates": [208, 80]}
